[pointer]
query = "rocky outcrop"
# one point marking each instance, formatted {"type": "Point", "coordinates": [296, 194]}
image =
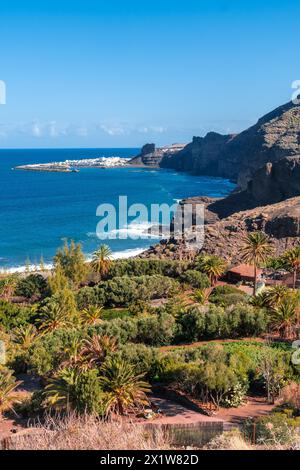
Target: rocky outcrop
{"type": "Point", "coordinates": [201, 156]}
{"type": "Point", "coordinates": [272, 183]}
{"type": "Point", "coordinates": [149, 156]}
{"type": "Point", "coordinates": [238, 157]}
{"type": "Point", "coordinates": [223, 237]}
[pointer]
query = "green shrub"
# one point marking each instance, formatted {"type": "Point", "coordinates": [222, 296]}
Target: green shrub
{"type": "Point", "coordinates": [142, 357]}
{"type": "Point", "coordinates": [34, 285]}
{"type": "Point", "coordinates": [12, 315]}
{"type": "Point", "coordinates": [146, 267]}
{"type": "Point", "coordinates": [195, 279]}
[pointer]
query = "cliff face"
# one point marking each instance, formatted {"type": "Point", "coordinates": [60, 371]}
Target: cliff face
{"type": "Point", "coordinates": [276, 135]}
{"type": "Point", "coordinates": [274, 182]}
{"type": "Point", "coordinates": [149, 156]}
{"type": "Point", "coordinates": [201, 156]}
{"type": "Point", "coordinates": [238, 157]}
{"type": "Point", "coordinates": [223, 237]}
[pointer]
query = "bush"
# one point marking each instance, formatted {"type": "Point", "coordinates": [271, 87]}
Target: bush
{"type": "Point", "coordinates": [271, 430]}
{"type": "Point", "coordinates": [88, 296]}
{"type": "Point", "coordinates": [212, 322]}
{"type": "Point", "coordinates": [156, 330]}
{"type": "Point", "coordinates": [122, 291]}
{"type": "Point", "coordinates": [142, 357]}
{"type": "Point", "coordinates": [195, 279]}
{"type": "Point", "coordinates": [34, 285]}
{"type": "Point", "coordinates": [12, 315]}
{"type": "Point", "coordinates": [146, 267]}
{"type": "Point", "coordinates": [227, 295]}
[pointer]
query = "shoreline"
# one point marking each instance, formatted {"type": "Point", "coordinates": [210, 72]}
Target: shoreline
{"type": "Point", "coordinates": [34, 269]}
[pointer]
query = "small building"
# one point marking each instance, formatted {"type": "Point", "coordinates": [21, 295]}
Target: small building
{"type": "Point", "coordinates": [243, 273]}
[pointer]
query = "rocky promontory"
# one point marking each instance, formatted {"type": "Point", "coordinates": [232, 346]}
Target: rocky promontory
{"type": "Point", "coordinates": [235, 156]}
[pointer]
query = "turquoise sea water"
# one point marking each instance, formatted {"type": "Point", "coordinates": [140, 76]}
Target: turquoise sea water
{"type": "Point", "coordinates": [38, 210]}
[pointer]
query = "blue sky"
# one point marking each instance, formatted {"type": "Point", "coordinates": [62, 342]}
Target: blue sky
{"type": "Point", "coordinates": [112, 73]}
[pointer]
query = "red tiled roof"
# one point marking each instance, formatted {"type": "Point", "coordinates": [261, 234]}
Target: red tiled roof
{"type": "Point", "coordinates": [245, 270]}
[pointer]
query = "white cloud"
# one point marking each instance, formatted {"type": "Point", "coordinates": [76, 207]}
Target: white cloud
{"type": "Point", "coordinates": [53, 129]}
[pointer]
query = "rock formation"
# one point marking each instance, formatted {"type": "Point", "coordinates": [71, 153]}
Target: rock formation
{"type": "Point", "coordinates": [238, 157]}
{"type": "Point", "coordinates": [149, 156]}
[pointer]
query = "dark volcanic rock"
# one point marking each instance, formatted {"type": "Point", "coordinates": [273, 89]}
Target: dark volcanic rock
{"type": "Point", "coordinates": [149, 156]}
{"type": "Point", "coordinates": [201, 156]}
{"type": "Point", "coordinates": [272, 183]}
{"type": "Point", "coordinates": [223, 237]}
{"type": "Point", "coordinates": [238, 157]}
{"type": "Point", "coordinates": [276, 135]}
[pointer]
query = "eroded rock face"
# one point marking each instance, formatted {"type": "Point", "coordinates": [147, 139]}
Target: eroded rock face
{"type": "Point", "coordinates": [201, 156]}
{"type": "Point", "coordinates": [272, 183]}
{"type": "Point", "coordinates": [276, 181]}
{"type": "Point", "coordinates": [223, 237]}
{"type": "Point", "coordinates": [276, 135]}
{"type": "Point", "coordinates": [149, 156]}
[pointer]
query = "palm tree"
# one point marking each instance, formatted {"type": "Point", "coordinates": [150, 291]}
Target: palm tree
{"type": "Point", "coordinates": [91, 315]}
{"type": "Point", "coordinates": [125, 390]}
{"type": "Point", "coordinates": [8, 384]}
{"type": "Point", "coordinates": [95, 350]}
{"type": "Point", "coordinates": [101, 260]}
{"type": "Point", "coordinates": [53, 317]}
{"type": "Point", "coordinates": [212, 265]}
{"type": "Point", "coordinates": [284, 316]}
{"type": "Point", "coordinates": [275, 295]}
{"type": "Point", "coordinates": [292, 259]}
{"type": "Point", "coordinates": [255, 250]}
{"type": "Point", "coordinates": [60, 392]}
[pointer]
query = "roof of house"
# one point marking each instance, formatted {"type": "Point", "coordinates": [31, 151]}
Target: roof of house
{"type": "Point", "coordinates": [245, 270]}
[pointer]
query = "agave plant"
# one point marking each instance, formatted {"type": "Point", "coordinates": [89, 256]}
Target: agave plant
{"type": "Point", "coordinates": [125, 390]}
{"type": "Point", "coordinates": [91, 315]}
{"type": "Point", "coordinates": [53, 317]}
{"type": "Point", "coordinates": [72, 357]}
{"type": "Point", "coordinates": [201, 296]}
{"type": "Point", "coordinates": [95, 350]}
{"type": "Point", "coordinates": [8, 384]}
{"type": "Point", "coordinates": [25, 336]}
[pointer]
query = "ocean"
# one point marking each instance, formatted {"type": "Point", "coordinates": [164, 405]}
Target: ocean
{"type": "Point", "coordinates": [40, 210]}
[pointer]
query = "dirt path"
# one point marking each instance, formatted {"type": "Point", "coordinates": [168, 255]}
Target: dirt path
{"type": "Point", "coordinates": [176, 413]}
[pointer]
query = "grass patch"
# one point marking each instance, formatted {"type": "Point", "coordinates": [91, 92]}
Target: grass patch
{"type": "Point", "coordinates": [112, 313]}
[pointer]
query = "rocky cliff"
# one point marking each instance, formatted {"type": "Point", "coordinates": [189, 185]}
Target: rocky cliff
{"type": "Point", "coordinates": [272, 183]}
{"type": "Point", "coordinates": [201, 156]}
{"type": "Point", "coordinates": [223, 237]}
{"type": "Point", "coordinates": [149, 156]}
{"type": "Point", "coordinates": [238, 157]}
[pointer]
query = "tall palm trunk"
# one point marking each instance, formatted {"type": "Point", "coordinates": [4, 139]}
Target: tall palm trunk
{"type": "Point", "coordinates": [255, 279]}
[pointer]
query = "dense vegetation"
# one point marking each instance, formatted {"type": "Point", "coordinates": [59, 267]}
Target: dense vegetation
{"type": "Point", "coordinates": [98, 335]}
